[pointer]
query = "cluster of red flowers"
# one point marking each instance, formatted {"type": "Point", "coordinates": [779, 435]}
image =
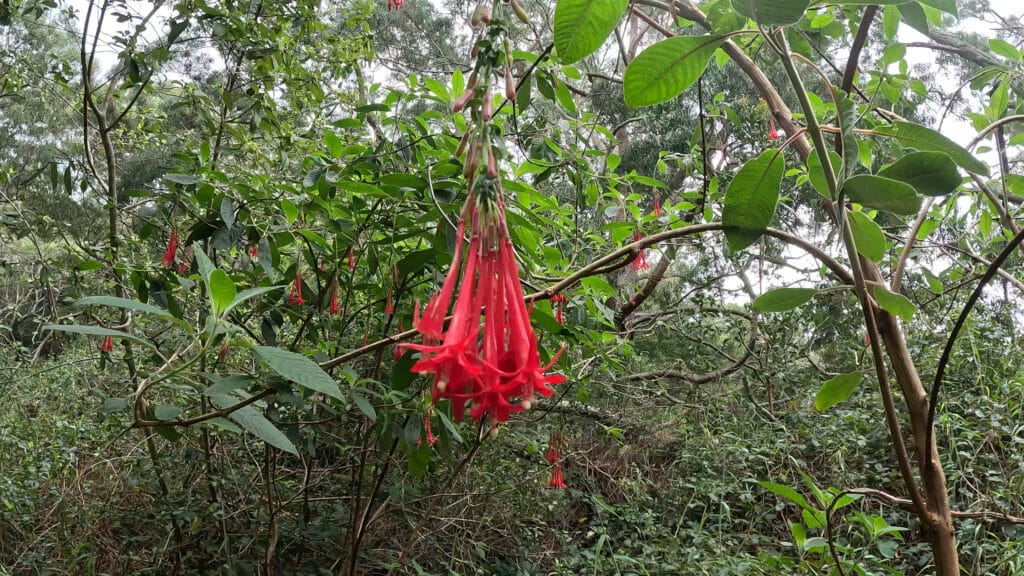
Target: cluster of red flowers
{"type": "Point", "coordinates": [554, 458]}
{"type": "Point", "coordinates": [295, 297]}
{"type": "Point", "coordinates": [486, 357]}
{"type": "Point", "coordinates": [558, 303]}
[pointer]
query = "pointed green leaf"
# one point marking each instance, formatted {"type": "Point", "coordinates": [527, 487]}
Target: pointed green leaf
{"type": "Point", "coordinates": [96, 331]}
{"type": "Point", "coordinates": [816, 171]}
{"type": "Point", "coordinates": [786, 492]}
{"type": "Point", "coordinates": [299, 369]}
{"type": "Point", "coordinates": [750, 199]}
{"type": "Point", "coordinates": [772, 12]}
{"type": "Point", "coordinates": [913, 14]}
{"type": "Point", "coordinates": [836, 390]}
{"type": "Point", "coordinates": [249, 293]}
{"type": "Point", "coordinates": [882, 193]}
{"type": "Point", "coordinates": [783, 299]}
{"type": "Point", "coordinates": [255, 423]}
{"type": "Point", "coordinates": [664, 70]}
{"type": "Point", "coordinates": [581, 26]}
{"type": "Point", "coordinates": [921, 138]}
{"type": "Point", "coordinates": [893, 303]}
{"type": "Point", "coordinates": [364, 406]}
{"type": "Point", "coordinates": [206, 267]}
{"type": "Point", "coordinates": [126, 304]}
{"type": "Point", "coordinates": [222, 290]}
{"type": "Point", "coordinates": [930, 173]}
{"type": "Point", "coordinates": [868, 236]}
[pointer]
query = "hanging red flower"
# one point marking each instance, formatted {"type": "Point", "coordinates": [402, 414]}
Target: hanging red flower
{"type": "Point", "coordinates": [107, 345]}
{"type": "Point", "coordinates": [295, 297]}
{"type": "Point", "coordinates": [431, 439]}
{"type": "Point", "coordinates": [557, 479]}
{"type": "Point", "coordinates": [487, 356]}
{"type": "Point", "coordinates": [398, 348]}
{"type": "Point", "coordinates": [640, 262]}
{"type": "Point", "coordinates": [333, 308]}
{"type": "Point", "coordinates": [395, 4]}
{"type": "Point", "coordinates": [657, 207]}
{"type": "Point", "coordinates": [389, 305]}
{"type": "Point", "coordinates": [558, 303]}
{"type": "Point", "coordinates": [172, 249]}
{"type": "Point", "coordinates": [254, 252]}
{"type": "Point", "coordinates": [552, 452]}
{"type": "Point", "coordinates": [773, 134]}
{"type": "Point", "coordinates": [351, 258]}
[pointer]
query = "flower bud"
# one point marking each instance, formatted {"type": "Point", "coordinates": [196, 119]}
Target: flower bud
{"type": "Point", "coordinates": [520, 13]}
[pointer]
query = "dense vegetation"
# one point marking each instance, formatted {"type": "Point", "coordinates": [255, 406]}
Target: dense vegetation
{"type": "Point", "coordinates": [226, 230]}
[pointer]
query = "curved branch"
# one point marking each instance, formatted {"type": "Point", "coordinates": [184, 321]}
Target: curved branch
{"type": "Point", "coordinates": [940, 371]}
{"type": "Point", "coordinates": [858, 45]}
{"type": "Point", "coordinates": [908, 505]}
{"type": "Point", "coordinates": [622, 255]}
{"type": "Point", "coordinates": [748, 347]}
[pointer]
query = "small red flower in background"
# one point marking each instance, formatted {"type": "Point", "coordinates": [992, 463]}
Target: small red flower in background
{"type": "Point", "coordinates": [254, 252]}
{"type": "Point", "coordinates": [389, 306]}
{"type": "Point", "coordinates": [107, 345]}
{"type": "Point", "coordinates": [867, 339]}
{"type": "Point", "coordinates": [351, 258]}
{"type": "Point", "coordinates": [640, 262]}
{"type": "Point", "coordinates": [398, 347]}
{"type": "Point", "coordinates": [295, 297]}
{"type": "Point", "coordinates": [333, 308]}
{"type": "Point", "coordinates": [366, 339]}
{"type": "Point", "coordinates": [557, 479]}
{"type": "Point", "coordinates": [186, 260]}
{"type": "Point", "coordinates": [222, 354]}
{"type": "Point", "coordinates": [431, 439]}
{"type": "Point", "coordinates": [657, 207]}
{"type": "Point", "coordinates": [172, 249]}
{"type": "Point", "coordinates": [395, 4]}
{"type": "Point", "coordinates": [773, 134]}
{"type": "Point", "coordinates": [552, 452]}
{"type": "Point", "coordinates": [558, 302]}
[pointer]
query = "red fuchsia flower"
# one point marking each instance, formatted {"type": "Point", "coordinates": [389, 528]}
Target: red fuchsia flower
{"type": "Point", "coordinates": [558, 302]}
{"type": "Point", "coordinates": [395, 4]}
{"type": "Point", "coordinates": [431, 439]}
{"type": "Point", "coordinates": [552, 452]}
{"type": "Point", "coordinates": [295, 297]}
{"type": "Point", "coordinates": [172, 249]}
{"type": "Point", "coordinates": [398, 347]}
{"type": "Point", "coordinates": [389, 305]}
{"type": "Point", "coordinates": [487, 357]}
{"type": "Point", "coordinates": [640, 262]}
{"type": "Point", "coordinates": [657, 207]}
{"type": "Point", "coordinates": [107, 345]}
{"type": "Point", "coordinates": [557, 479]}
{"type": "Point", "coordinates": [773, 134]}
{"type": "Point", "coordinates": [333, 308]}
{"type": "Point", "coordinates": [351, 258]}
{"type": "Point", "coordinates": [254, 251]}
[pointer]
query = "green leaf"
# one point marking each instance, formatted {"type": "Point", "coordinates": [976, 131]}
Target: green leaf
{"type": "Point", "coordinates": [299, 369]}
{"type": "Point", "coordinates": [364, 406]}
{"type": "Point", "coordinates": [1003, 48]}
{"type": "Point", "coordinates": [96, 331]}
{"type": "Point", "coordinates": [921, 138]}
{"type": "Point", "coordinates": [333, 144]}
{"type": "Point", "coordinates": [183, 179]}
{"type": "Point", "coordinates": [930, 173]}
{"type": "Point", "coordinates": [166, 412]}
{"type": "Point", "coordinates": [126, 304]}
{"type": "Point", "coordinates": [255, 423]}
{"type": "Point", "coordinates": [750, 199]}
{"type": "Point", "coordinates": [894, 303]}
{"type": "Point", "coordinates": [249, 293]}
{"type": "Point", "coordinates": [206, 267]}
{"type": "Point", "coordinates": [882, 193]}
{"type": "Point", "coordinates": [836, 390]}
{"type": "Point", "coordinates": [786, 492]}
{"type": "Point", "coordinates": [783, 299]}
{"type": "Point", "coordinates": [664, 70]}
{"type": "Point", "coordinates": [914, 15]}
{"type": "Point", "coordinates": [222, 290]}
{"type": "Point", "coordinates": [868, 236]}
{"type": "Point", "coordinates": [947, 6]}
{"type": "Point", "coordinates": [581, 26]}
{"type": "Point", "coordinates": [816, 171]}
{"type": "Point", "coordinates": [772, 12]}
